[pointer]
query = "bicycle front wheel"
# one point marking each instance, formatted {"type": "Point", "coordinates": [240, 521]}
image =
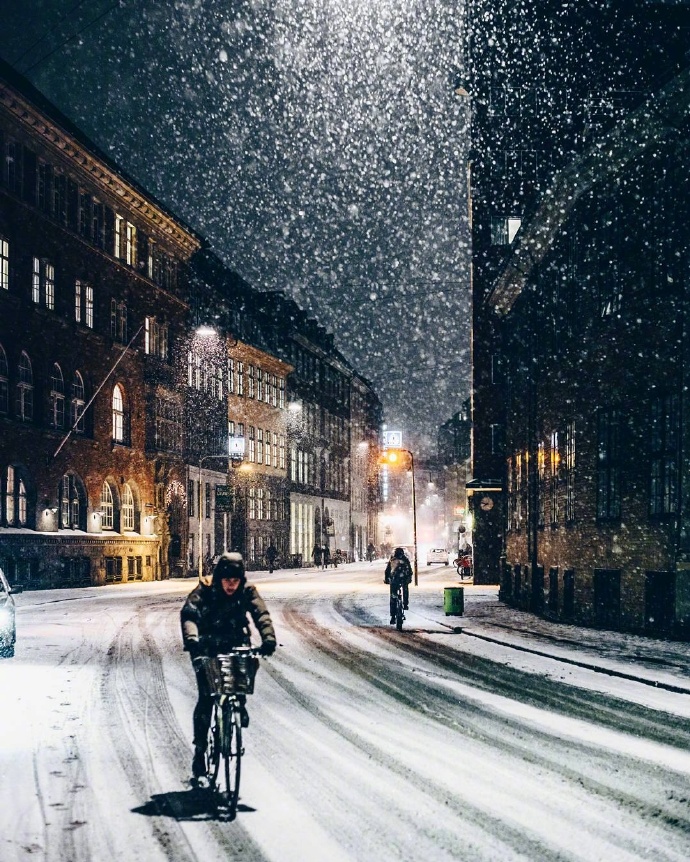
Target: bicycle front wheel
{"type": "Point", "coordinates": [231, 750]}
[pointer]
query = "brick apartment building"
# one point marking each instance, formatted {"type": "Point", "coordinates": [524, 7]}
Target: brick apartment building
{"type": "Point", "coordinates": [92, 307]}
{"type": "Point", "coordinates": [579, 310]}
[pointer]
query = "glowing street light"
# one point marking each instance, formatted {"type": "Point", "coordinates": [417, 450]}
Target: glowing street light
{"type": "Point", "coordinates": [393, 457]}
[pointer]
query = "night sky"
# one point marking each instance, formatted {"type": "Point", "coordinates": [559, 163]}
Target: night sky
{"type": "Point", "coordinates": [317, 144]}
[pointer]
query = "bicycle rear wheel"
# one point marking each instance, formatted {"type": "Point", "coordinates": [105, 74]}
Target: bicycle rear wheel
{"type": "Point", "coordinates": [399, 615]}
{"type": "Point", "coordinates": [231, 746]}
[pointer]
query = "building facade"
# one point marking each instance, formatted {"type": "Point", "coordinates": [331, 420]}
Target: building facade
{"type": "Point", "coordinates": [577, 355]}
{"type": "Point", "coordinates": [92, 306]}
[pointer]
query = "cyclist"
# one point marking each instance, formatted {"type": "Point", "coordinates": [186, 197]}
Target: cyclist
{"type": "Point", "coordinates": [214, 620]}
{"type": "Point", "coordinates": [398, 569]}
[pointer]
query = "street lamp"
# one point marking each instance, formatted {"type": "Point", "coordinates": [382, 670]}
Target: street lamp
{"type": "Point", "coordinates": [392, 456]}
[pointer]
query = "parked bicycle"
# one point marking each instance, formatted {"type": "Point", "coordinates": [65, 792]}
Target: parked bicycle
{"type": "Point", "coordinates": [229, 676]}
{"type": "Point", "coordinates": [463, 566]}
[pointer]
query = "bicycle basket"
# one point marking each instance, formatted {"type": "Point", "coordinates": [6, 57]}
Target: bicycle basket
{"type": "Point", "coordinates": [238, 672]}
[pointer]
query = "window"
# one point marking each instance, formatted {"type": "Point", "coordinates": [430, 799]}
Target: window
{"type": "Point", "coordinates": [15, 499]}
{"type": "Point", "coordinates": [4, 264]}
{"type": "Point", "coordinates": [127, 508]}
{"type": "Point", "coordinates": [168, 428]}
{"type": "Point", "coordinates": [664, 446]}
{"type": "Point", "coordinates": [118, 321]}
{"type": "Point", "coordinates": [570, 472]}
{"type": "Point", "coordinates": [77, 301]}
{"type": "Point", "coordinates": [504, 229]}
{"type": "Point", "coordinates": [156, 342]}
{"type": "Point", "coordinates": [268, 448]}
{"type": "Point", "coordinates": [259, 504]}
{"type": "Point", "coordinates": [25, 390]}
{"type": "Point", "coordinates": [250, 381]}
{"type": "Point", "coordinates": [88, 305]}
{"type": "Point", "coordinates": [45, 188]}
{"type": "Point", "coordinates": [4, 383]}
{"type": "Point", "coordinates": [282, 452]}
{"type": "Point", "coordinates": [43, 283]}
{"type": "Point", "coordinates": [252, 504]}
{"type": "Point", "coordinates": [107, 507]}
{"type": "Point", "coordinates": [541, 482]}
{"type": "Point", "coordinates": [36, 281]}
{"type": "Point", "coordinates": [130, 244]}
{"type": "Point", "coordinates": [240, 378]}
{"type": "Point", "coordinates": [281, 393]}
{"type": "Point", "coordinates": [260, 445]}
{"type": "Point", "coordinates": [118, 406]}
{"type": "Point", "coordinates": [57, 398]}
{"type": "Point", "coordinates": [77, 403]}
{"type": "Point", "coordinates": [231, 376]}
{"type": "Point", "coordinates": [554, 462]}
{"type": "Point", "coordinates": [72, 502]}
{"type": "Point", "coordinates": [259, 384]}
{"type": "Point", "coordinates": [609, 471]}
{"type": "Point", "coordinates": [191, 498]}
{"type": "Point", "coordinates": [252, 443]}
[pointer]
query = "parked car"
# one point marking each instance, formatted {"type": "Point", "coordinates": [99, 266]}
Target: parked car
{"type": "Point", "coordinates": [8, 629]}
{"type": "Point", "coordinates": [437, 555]}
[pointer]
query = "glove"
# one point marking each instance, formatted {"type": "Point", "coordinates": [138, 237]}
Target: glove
{"type": "Point", "coordinates": [268, 648]}
{"type": "Point", "coordinates": [386, 580]}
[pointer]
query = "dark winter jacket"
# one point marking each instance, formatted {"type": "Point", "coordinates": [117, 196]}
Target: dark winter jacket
{"type": "Point", "coordinates": [398, 569]}
{"type": "Point", "coordinates": [213, 622]}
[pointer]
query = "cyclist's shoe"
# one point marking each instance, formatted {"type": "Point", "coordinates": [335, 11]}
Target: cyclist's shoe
{"type": "Point", "coordinates": [199, 763]}
{"type": "Point", "coordinates": [244, 716]}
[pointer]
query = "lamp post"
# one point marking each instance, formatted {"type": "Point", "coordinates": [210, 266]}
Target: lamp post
{"type": "Point", "coordinates": [391, 456]}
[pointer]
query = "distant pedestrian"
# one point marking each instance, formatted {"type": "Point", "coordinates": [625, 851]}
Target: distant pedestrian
{"type": "Point", "coordinates": [316, 554]}
{"type": "Point", "coordinates": [326, 556]}
{"type": "Point", "coordinates": [371, 552]}
{"type": "Point", "coordinates": [271, 554]}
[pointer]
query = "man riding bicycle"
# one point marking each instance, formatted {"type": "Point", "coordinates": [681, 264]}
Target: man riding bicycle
{"type": "Point", "coordinates": [214, 621]}
{"type": "Point", "coordinates": [398, 570]}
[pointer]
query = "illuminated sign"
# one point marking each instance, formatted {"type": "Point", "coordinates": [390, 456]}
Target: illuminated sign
{"type": "Point", "coordinates": [392, 439]}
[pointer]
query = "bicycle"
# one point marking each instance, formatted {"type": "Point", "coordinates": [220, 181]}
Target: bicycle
{"type": "Point", "coordinates": [463, 566]}
{"type": "Point", "coordinates": [399, 606]}
{"type": "Point", "coordinates": [229, 675]}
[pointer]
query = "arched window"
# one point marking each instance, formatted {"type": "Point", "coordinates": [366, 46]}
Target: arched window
{"type": "Point", "coordinates": [57, 398]}
{"type": "Point", "coordinates": [107, 507]}
{"type": "Point", "coordinates": [127, 508]}
{"type": "Point", "coordinates": [72, 503]}
{"type": "Point", "coordinates": [4, 383]}
{"type": "Point", "coordinates": [118, 415]}
{"type": "Point", "coordinates": [77, 403]}
{"type": "Point", "coordinates": [15, 499]}
{"type": "Point", "coordinates": [25, 389]}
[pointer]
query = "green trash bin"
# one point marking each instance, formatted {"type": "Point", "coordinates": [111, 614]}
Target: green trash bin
{"type": "Point", "coordinates": [454, 601]}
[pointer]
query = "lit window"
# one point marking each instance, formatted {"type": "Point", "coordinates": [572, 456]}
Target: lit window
{"type": "Point", "coordinates": [4, 264]}
{"type": "Point", "coordinates": [127, 508]}
{"type": "Point", "coordinates": [36, 281]}
{"type": "Point", "coordinates": [118, 415]}
{"type": "Point", "coordinates": [107, 507]}
{"type": "Point", "coordinates": [88, 301]}
{"type": "Point", "coordinates": [71, 508]}
{"type": "Point", "coordinates": [504, 230]}
{"type": "Point", "coordinates": [15, 499]}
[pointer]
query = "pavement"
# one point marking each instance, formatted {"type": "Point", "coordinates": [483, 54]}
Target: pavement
{"type": "Point", "coordinates": [657, 662]}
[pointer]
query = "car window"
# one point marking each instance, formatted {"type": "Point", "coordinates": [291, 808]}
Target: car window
{"type": "Point", "coordinates": [2, 586]}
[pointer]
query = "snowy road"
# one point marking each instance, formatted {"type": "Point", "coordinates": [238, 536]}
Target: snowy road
{"type": "Point", "coordinates": [364, 743]}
